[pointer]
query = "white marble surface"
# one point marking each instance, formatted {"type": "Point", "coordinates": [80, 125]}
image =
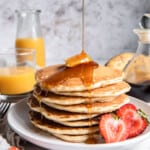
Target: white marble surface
{"type": "Point", "coordinates": [109, 25]}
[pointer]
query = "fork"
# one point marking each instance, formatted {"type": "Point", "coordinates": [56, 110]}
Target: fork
{"type": "Point", "coordinates": [4, 106]}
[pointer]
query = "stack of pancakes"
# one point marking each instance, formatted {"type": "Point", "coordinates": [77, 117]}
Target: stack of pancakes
{"type": "Point", "coordinates": [67, 102]}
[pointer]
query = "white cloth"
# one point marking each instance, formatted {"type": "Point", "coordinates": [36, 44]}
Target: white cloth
{"type": "Point", "coordinates": [3, 144]}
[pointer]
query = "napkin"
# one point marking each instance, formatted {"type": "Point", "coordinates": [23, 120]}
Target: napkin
{"type": "Point", "coordinates": [3, 144]}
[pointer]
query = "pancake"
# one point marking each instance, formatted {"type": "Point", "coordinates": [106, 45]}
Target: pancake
{"type": "Point", "coordinates": [57, 115]}
{"type": "Point", "coordinates": [96, 107]}
{"type": "Point", "coordinates": [79, 138]}
{"type": "Point", "coordinates": [120, 61]}
{"type": "Point", "coordinates": [81, 123]}
{"type": "Point", "coordinates": [70, 100]}
{"type": "Point", "coordinates": [109, 90]}
{"type": "Point", "coordinates": [67, 79]}
{"type": "Point", "coordinates": [45, 96]}
{"type": "Point", "coordinates": [55, 128]}
{"type": "Point", "coordinates": [44, 73]}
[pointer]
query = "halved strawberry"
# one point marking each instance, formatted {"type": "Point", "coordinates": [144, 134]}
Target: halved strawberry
{"type": "Point", "coordinates": [112, 128]}
{"type": "Point", "coordinates": [127, 111]}
{"type": "Point", "coordinates": [134, 121]}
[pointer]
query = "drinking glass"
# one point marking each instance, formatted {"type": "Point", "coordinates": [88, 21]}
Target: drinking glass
{"type": "Point", "coordinates": [17, 73]}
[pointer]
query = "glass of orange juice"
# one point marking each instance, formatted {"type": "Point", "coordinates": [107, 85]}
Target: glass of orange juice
{"type": "Point", "coordinates": [17, 72]}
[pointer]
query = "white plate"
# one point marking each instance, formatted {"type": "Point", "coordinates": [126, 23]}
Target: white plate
{"type": "Point", "coordinates": [19, 121]}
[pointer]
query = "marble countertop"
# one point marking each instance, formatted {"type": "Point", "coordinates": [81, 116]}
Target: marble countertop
{"type": "Point", "coordinates": [109, 26]}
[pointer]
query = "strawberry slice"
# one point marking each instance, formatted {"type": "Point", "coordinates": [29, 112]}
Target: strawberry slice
{"type": "Point", "coordinates": [135, 122]}
{"type": "Point", "coordinates": [112, 128]}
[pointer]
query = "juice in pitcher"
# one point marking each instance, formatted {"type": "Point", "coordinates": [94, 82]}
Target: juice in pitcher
{"type": "Point", "coordinates": [29, 34]}
{"type": "Point", "coordinates": [33, 43]}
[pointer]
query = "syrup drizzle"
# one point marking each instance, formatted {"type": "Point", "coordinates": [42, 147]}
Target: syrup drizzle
{"type": "Point", "coordinates": [83, 26]}
{"type": "Point", "coordinates": [91, 139]}
{"type": "Point", "coordinates": [82, 71]}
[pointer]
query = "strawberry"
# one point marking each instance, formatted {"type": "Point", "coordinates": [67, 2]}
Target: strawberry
{"type": "Point", "coordinates": [134, 119]}
{"type": "Point", "coordinates": [127, 111]}
{"type": "Point", "coordinates": [112, 128]}
{"type": "Point", "coordinates": [14, 148]}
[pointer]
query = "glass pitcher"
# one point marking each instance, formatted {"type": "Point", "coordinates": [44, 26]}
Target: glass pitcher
{"type": "Point", "coordinates": [137, 71]}
{"type": "Point", "coordinates": [29, 34]}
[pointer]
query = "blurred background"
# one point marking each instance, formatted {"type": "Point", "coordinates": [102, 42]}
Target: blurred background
{"type": "Point", "coordinates": [109, 26]}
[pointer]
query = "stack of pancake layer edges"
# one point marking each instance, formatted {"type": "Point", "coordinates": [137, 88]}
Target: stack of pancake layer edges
{"type": "Point", "coordinates": [67, 102]}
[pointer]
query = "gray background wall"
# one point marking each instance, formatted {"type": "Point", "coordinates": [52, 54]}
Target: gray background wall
{"type": "Point", "coordinates": [109, 26]}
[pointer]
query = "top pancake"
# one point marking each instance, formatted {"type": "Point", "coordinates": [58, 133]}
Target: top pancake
{"type": "Point", "coordinates": [44, 73]}
{"type": "Point", "coordinates": [73, 80]}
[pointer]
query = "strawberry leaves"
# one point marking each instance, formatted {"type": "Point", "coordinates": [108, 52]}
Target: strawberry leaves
{"type": "Point", "coordinates": [143, 114]}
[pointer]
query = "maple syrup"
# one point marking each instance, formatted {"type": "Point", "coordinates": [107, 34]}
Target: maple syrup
{"type": "Point", "coordinates": [78, 59]}
{"type": "Point", "coordinates": [82, 71]}
{"type": "Point", "coordinates": [79, 66]}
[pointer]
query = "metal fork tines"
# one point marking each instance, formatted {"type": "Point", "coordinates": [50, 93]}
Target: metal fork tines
{"type": "Point", "coordinates": [4, 106]}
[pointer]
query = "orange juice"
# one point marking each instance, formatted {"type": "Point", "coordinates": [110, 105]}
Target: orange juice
{"type": "Point", "coordinates": [33, 43]}
{"type": "Point", "coordinates": [16, 80]}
